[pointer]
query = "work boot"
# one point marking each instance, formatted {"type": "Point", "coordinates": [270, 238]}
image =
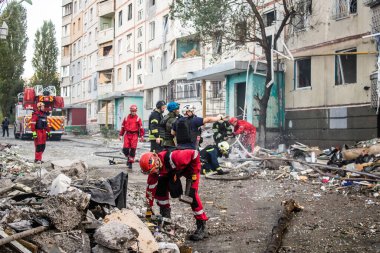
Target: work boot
{"type": "Point", "coordinates": [165, 212]}
{"type": "Point", "coordinates": [221, 172]}
{"type": "Point", "coordinates": [201, 231]}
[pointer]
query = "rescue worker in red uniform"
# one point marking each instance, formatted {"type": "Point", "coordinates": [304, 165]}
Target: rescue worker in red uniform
{"type": "Point", "coordinates": [131, 129]}
{"type": "Point", "coordinates": [247, 131]}
{"type": "Point", "coordinates": [165, 170]}
{"type": "Point", "coordinates": [40, 128]}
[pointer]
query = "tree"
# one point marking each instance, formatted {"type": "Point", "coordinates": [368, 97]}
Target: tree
{"type": "Point", "coordinates": [12, 56]}
{"type": "Point", "coordinates": [238, 22]}
{"type": "Point", "coordinates": [45, 56]}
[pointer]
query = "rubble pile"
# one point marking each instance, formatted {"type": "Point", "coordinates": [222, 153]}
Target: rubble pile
{"type": "Point", "coordinates": [346, 169]}
{"type": "Point", "coordinates": [55, 207]}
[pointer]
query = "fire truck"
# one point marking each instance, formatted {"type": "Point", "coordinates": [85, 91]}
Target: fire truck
{"type": "Point", "coordinates": [27, 103]}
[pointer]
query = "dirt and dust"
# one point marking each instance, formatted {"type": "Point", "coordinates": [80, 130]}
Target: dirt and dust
{"type": "Point", "coordinates": [242, 213]}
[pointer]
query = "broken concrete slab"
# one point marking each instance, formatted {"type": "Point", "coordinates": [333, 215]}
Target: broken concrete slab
{"type": "Point", "coordinates": [73, 169]}
{"type": "Point", "coordinates": [66, 210]}
{"type": "Point", "coordinates": [147, 243]}
{"type": "Point", "coordinates": [116, 235]}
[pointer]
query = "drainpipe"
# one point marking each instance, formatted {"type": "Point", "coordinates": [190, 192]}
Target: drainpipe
{"type": "Point", "coordinates": [204, 98]}
{"type": "Point", "coordinates": [106, 114]}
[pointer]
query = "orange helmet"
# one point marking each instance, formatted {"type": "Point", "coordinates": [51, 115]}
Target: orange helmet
{"type": "Point", "coordinates": [233, 120]}
{"type": "Point", "coordinates": [149, 162]}
{"type": "Point", "coordinates": [39, 104]}
{"type": "Point", "coordinates": [133, 108]}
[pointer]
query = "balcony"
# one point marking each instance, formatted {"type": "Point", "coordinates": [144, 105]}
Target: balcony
{"type": "Point", "coordinates": [66, 19]}
{"type": "Point", "coordinates": [65, 60]}
{"type": "Point", "coordinates": [64, 2]}
{"type": "Point", "coordinates": [184, 65]}
{"type": "Point", "coordinates": [105, 35]}
{"type": "Point", "coordinates": [65, 81]}
{"type": "Point", "coordinates": [104, 63]}
{"type": "Point", "coordinates": [66, 41]}
{"type": "Point", "coordinates": [106, 8]}
{"type": "Point", "coordinates": [371, 3]}
{"type": "Point", "coordinates": [105, 88]}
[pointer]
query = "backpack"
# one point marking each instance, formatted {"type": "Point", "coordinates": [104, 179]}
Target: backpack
{"type": "Point", "coordinates": [183, 130]}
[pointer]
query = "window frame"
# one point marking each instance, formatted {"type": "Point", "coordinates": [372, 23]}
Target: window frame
{"type": "Point", "coordinates": [296, 74]}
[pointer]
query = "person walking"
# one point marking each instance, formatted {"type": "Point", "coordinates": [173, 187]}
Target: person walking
{"type": "Point", "coordinates": [40, 130]}
{"type": "Point", "coordinates": [155, 119]}
{"type": "Point", "coordinates": [131, 129]}
{"type": "Point", "coordinates": [5, 126]}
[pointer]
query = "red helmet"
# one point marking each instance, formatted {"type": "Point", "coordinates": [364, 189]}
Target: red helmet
{"type": "Point", "coordinates": [133, 108]}
{"type": "Point", "coordinates": [233, 120]}
{"type": "Point", "coordinates": [149, 162]}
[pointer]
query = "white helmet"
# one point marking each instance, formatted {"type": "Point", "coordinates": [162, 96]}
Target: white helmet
{"type": "Point", "coordinates": [224, 147]}
{"type": "Point", "coordinates": [187, 108]}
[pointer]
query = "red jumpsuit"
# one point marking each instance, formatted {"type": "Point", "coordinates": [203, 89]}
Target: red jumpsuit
{"type": "Point", "coordinates": [188, 162]}
{"type": "Point", "coordinates": [131, 128]}
{"type": "Point", "coordinates": [248, 132]}
{"type": "Point", "coordinates": [39, 124]}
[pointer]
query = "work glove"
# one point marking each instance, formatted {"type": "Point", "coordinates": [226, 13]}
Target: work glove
{"type": "Point", "coordinates": [142, 139]}
{"type": "Point", "coordinates": [149, 212]}
{"type": "Point", "coordinates": [34, 135]}
{"type": "Point", "coordinates": [49, 134]}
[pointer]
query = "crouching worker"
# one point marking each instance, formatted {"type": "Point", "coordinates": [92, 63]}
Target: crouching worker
{"type": "Point", "coordinates": [209, 158]}
{"type": "Point", "coordinates": [165, 170]}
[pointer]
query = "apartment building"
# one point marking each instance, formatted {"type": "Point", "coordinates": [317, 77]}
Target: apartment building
{"type": "Point", "coordinates": [328, 86]}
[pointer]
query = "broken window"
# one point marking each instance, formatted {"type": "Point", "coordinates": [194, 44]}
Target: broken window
{"type": "Point", "coordinates": [269, 18]}
{"type": "Point", "coordinates": [129, 11]}
{"type": "Point", "coordinates": [187, 89]}
{"type": "Point", "coordinates": [140, 15]}
{"type": "Point", "coordinates": [301, 19]}
{"type": "Point", "coordinates": [120, 18]}
{"type": "Point", "coordinates": [240, 33]}
{"type": "Point", "coordinates": [217, 44]}
{"type": "Point", "coordinates": [139, 47]}
{"type": "Point", "coordinates": [187, 48]}
{"type": "Point", "coordinates": [164, 93]}
{"type": "Point", "coordinates": [139, 79]}
{"type": "Point", "coordinates": [303, 73]}
{"type": "Point", "coordinates": [119, 76]}
{"type": "Point", "coordinates": [149, 99]}
{"type": "Point", "coordinates": [152, 30]}
{"type": "Point", "coordinates": [139, 64]}
{"type": "Point", "coordinates": [216, 87]}
{"type": "Point", "coordinates": [129, 71]}
{"type": "Point", "coordinates": [344, 8]}
{"type": "Point", "coordinates": [345, 67]}
{"type": "Point", "coordinates": [129, 37]}
{"type": "Point", "coordinates": [107, 50]}
{"type": "Point", "coordinates": [151, 64]}
{"type": "Point", "coordinates": [164, 60]}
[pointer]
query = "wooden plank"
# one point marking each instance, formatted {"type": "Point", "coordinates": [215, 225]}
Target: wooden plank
{"type": "Point", "coordinates": [14, 244]}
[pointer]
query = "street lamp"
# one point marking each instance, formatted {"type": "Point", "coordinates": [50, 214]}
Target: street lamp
{"type": "Point", "coordinates": [4, 31]}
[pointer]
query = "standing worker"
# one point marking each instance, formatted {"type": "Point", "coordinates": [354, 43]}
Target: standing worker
{"type": "Point", "coordinates": [165, 170]}
{"type": "Point", "coordinates": [187, 129]}
{"type": "Point", "coordinates": [167, 123]}
{"type": "Point", "coordinates": [5, 126]}
{"type": "Point", "coordinates": [155, 119]}
{"type": "Point", "coordinates": [209, 157]}
{"type": "Point", "coordinates": [222, 130]}
{"type": "Point", "coordinates": [247, 130]}
{"type": "Point", "coordinates": [131, 129]}
{"type": "Point", "coordinates": [40, 128]}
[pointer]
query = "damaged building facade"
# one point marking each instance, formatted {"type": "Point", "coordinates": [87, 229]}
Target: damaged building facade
{"type": "Point", "coordinates": [328, 86]}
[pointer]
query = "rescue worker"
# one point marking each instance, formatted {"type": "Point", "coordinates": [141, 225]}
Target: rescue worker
{"type": "Point", "coordinates": [155, 119]}
{"type": "Point", "coordinates": [187, 129]}
{"type": "Point", "coordinates": [209, 157]}
{"type": "Point", "coordinates": [165, 170]}
{"type": "Point", "coordinates": [167, 123]}
{"type": "Point", "coordinates": [131, 129]}
{"type": "Point", "coordinates": [40, 130]}
{"type": "Point", "coordinates": [5, 126]}
{"type": "Point", "coordinates": [247, 130]}
{"type": "Point", "coordinates": [222, 130]}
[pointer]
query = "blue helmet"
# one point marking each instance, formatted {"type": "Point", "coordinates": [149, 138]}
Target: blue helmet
{"type": "Point", "coordinates": [172, 106]}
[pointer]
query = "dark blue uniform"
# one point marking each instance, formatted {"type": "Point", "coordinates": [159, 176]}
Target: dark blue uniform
{"type": "Point", "coordinates": [209, 159]}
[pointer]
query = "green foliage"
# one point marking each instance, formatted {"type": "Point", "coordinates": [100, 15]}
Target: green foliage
{"type": "Point", "coordinates": [109, 132]}
{"type": "Point", "coordinates": [45, 56]}
{"type": "Point", "coordinates": [12, 55]}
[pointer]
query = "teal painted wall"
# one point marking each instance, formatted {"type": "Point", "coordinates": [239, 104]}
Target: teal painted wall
{"type": "Point", "coordinates": [255, 86]}
{"type": "Point", "coordinates": [122, 108]}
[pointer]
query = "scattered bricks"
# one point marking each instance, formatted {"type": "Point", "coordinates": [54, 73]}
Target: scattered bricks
{"type": "Point", "coordinates": [115, 235]}
{"type": "Point", "coordinates": [71, 242]}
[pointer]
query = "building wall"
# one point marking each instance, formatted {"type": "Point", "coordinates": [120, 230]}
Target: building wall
{"type": "Point", "coordinates": [324, 113]}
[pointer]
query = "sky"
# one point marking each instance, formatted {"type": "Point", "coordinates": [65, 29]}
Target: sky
{"type": "Point", "coordinates": [36, 14]}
